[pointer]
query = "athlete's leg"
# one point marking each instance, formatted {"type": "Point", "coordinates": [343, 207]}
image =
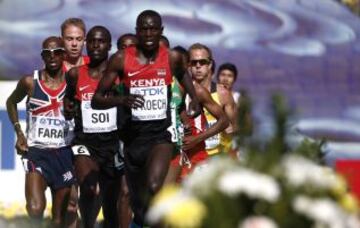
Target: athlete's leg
{"type": "Point", "coordinates": [35, 186]}
{"type": "Point", "coordinates": [71, 216]}
{"type": "Point", "coordinates": [87, 174]}
{"type": "Point", "coordinates": [158, 166]}
{"type": "Point", "coordinates": [123, 206]}
{"type": "Point", "coordinates": [109, 188]}
{"type": "Point", "coordinates": [60, 203]}
{"type": "Point", "coordinates": [173, 174]}
{"type": "Point", "coordinates": [137, 190]}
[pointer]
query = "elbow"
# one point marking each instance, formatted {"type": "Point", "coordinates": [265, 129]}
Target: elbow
{"type": "Point", "coordinates": [224, 122]}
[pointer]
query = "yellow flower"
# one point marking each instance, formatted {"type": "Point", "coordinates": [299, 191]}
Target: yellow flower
{"type": "Point", "coordinates": [175, 208]}
{"type": "Point", "coordinates": [166, 193]}
{"type": "Point", "coordinates": [349, 203]}
{"type": "Point", "coordinates": [340, 187]}
{"type": "Point", "coordinates": [188, 213]}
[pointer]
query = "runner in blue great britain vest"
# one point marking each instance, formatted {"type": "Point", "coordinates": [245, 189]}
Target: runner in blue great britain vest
{"type": "Point", "coordinates": [45, 150]}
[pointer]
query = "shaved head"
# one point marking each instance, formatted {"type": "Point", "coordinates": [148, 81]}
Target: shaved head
{"type": "Point", "coordinates": [148, 13]}
{"type": "Point", "coordinates": [53, 39]}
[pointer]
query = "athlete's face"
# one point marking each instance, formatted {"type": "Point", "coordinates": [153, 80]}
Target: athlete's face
{"type": "Point", "coordinates": [227, 78]}
{"type": "Point", "coordinates": [200, 64]}
{"type": "Point", "coordinates": [98, 45]}
{"type": "Point", "coordinates": [74, 39]}
{"type": "Point", "coordinates": [149, 31]}
{"type": "Point", "coordinates": [53, 55]}
{"type": "Point", "coordinates": [127, 41]}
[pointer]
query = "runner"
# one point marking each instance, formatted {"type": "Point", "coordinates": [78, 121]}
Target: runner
{"type": "Point", "coordinates": [96, 140]}
{"type": "Point", "coordinates": [147, 71]}
{"type": "Point", "coordinates": [45, 150]}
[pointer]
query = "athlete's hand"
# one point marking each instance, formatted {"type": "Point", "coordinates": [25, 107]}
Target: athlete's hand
{"type": "Point", "coordinates": [194, 108]}
{"type": "Point", "coordinates": [132, 100]}
{"type": "Point", "coordinates": [21, 144]}
{"type": "Point", "coordinates": [189, 142]}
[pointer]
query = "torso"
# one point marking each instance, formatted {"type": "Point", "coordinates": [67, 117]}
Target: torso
{"type": "Point", "coordinates": [220, 141]}
{"type": "Point", "coordinates": [47, 127]}
{"type": "Point", "coordinates": [153, 81]}
{"type": "Point", "coordinates": [90, 123]}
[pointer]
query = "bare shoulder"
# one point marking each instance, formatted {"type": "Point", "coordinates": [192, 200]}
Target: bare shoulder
{"type": "Point", "coordinates": [26, 82]}
{"type": "Point", "coordinates": [201, 92]}
{"type": "Point", "coordinates": [73, 72]}
{"type": "Point", "coordinates": [116, 61]}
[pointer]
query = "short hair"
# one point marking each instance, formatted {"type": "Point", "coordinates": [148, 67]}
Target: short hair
{"type": "Point", "coordinates": [202, 46]}
{"type": "Point", "coordinates": [148, 13]}
{"type": "Point", "coordinates": [227, 66]}
{"type": "Point", "coordinates": [53, 38]}
{"type": "Point", "coordinates": [78, 22]}
{"type": "Point", "coordinates": [103, 29]}
{"type": "Point", "coordinates": [182, 51]}
{"type": "Point", "coordinates": [122, 37]}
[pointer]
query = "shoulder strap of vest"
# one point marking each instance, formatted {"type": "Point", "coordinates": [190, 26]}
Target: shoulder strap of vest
{"type": "Point", "coordinates": [36, 75]}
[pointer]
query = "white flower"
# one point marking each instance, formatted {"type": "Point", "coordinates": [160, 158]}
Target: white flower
{"type": "Point", "coordinates": [258, 222]}
{"type": "Point", "coordinates": [325, 212]}
{"type": "Point", "coordinates": [200, 183]}
{"type": "Point", "coordinates": [300, 171]}
{"type": "Point", "coordinates": [253, 184]}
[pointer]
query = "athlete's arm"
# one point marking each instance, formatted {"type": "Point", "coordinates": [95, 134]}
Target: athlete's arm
{"type": "Point", "coordinates": [115, 68]}
{"type": "Point", "coordinates": [69, 99]}
{"type": "Point", "coordinates": [23, 89]}
{"type": "Point", "coordinates": [215, 110]}
{"type": "Point", "coordinates": [229, 107]}
{"type": "Point", "coordinates": [179, 69]}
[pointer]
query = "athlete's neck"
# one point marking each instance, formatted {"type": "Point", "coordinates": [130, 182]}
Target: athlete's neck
{"type": "Point", "coordinates": [96, 69]}
{"type": "Point", "coordinates": [72, 62]}
{"type": "Point", "coordinates": [206, 82]}
{"type": "Point", "coordinates": [147, 56]}
{"type": "Point", "coordinates": [52, 78]}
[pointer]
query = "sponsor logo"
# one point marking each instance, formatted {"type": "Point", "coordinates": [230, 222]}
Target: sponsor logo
{"type": "Point", "coordinates": [83, 87]}
{"type": "Point", "coordinates": [130, 74]}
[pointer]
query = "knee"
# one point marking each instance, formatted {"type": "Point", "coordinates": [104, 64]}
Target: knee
{"type": "Point", "coordinates": [154, 186]}
{"type": "Point", "coordinates": [89, 190]}
{"type": "Point", "coordinates": [35, 209]}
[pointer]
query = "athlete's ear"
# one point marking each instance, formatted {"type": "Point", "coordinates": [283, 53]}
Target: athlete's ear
{"type": "Point", "coordinates": [162, 29]}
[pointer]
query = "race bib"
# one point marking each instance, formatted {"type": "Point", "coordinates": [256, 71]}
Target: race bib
{"type": "Point", "coordinates": [51, 132]}
{"type": "Point", "coordinates": [80, 150]}
{"type": "Point", "coordinates": [97, 121]}
{"type": "Point", "coordinates": [155, 104]}
{"type": "Point", "coordinates": [213, 141]}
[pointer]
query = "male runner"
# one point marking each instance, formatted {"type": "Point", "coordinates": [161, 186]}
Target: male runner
{"type": "Point", "coordinates": [45, 149]}
{"type": "Point", "coordinates": [226, 75]}
{"type": "Point", "coordinates": [73, 32]}
{"type": "Point", "coordinates": [126, 40]}
{"type": "Point", "coordinates": [147, 71]}
{"type": "Point", "coordinates": [200, 65]}
{"type": "Point", "coordinates": [96, 140]}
